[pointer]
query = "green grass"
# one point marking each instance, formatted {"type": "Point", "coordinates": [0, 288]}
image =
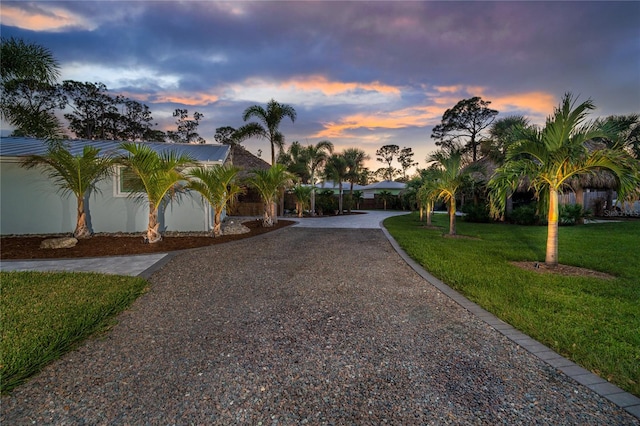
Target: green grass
{"type": "Point", "coordinates": [594, 322]}
{"type": "Point", "coordinates": [44, 315]}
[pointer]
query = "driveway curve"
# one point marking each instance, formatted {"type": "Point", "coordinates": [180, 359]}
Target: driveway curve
{"type": "Point", "coordinates": [302, 326]}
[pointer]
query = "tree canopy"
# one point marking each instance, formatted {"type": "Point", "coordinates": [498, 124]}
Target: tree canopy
{"type": "Point", "coordinates": [464, 123]}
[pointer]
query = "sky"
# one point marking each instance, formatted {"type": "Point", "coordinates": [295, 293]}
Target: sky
{"type": "Point", "coordinates": [360, 74]}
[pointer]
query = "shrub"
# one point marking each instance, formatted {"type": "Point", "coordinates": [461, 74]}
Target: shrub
{"type": "Point", "coordinates": [478, 213]}
{"type": "Point", "coordinates": [524, 215]}
{"type": "Point", "coordinates": [570, 214]}
{"type": "Point", "coordinates": [326, 202]}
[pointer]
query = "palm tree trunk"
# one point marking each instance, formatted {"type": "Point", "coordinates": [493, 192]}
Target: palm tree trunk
{"type": "Point", "coordinates": [340, 198]}
{"type": "Point", "coordinates": [153, 233]}
{"type": "Point", "coordinates": [452, 217]}
{"type": "Point", "coordinates": [429, 208]}
{"type": "Point", "coordinates": [421, 209]}
{"type": "Point", "coordinates": [313, 201]}
{"type": "Point", "coordinates": [217, 223]}
{"type": "Point", "coordinates": [82, 231]}
{"type": "Point", "coordinates": [350, 198]}
{"type": "Point", "coordinates": [580, 200]}
{"type": "Point", "coordinates": [551, 258]}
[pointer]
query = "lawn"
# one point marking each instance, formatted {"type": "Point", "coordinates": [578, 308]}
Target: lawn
{"type": "Point", "coordinates": [594, 322]}
{"type": "Point", "coordinates": [44, 315]}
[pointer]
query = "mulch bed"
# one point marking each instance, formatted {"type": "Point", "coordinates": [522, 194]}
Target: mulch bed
{"type": "Point", "coordinates": [28, 247]}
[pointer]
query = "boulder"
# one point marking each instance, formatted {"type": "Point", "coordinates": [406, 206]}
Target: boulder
{"type": "Point", "coordinates": [58, 243]}
{"type": "Point", "coordinates": [234, 228]}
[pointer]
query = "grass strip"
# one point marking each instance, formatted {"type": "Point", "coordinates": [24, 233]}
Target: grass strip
{"type": "Point", "coordinates": [44, 315]}
{"type": "Point", "coordinates": [594, 322]}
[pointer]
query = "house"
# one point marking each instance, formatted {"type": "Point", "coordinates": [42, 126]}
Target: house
{"type": "Point", "coordinates": [31, 204]}
{"type": "Point", "coordinates": [371, 190]}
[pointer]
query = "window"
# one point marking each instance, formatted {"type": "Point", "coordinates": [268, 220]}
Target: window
{"type": "Point", "coordinates": [125, 182]}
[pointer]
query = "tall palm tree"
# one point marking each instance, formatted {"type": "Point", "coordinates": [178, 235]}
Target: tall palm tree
{"type": "Point", "coordinates": [317, 155]}
{"type": "Point", "coordinates": [268, 183]}
{"type": "Point", "coordinates": [218, 186]}
{"type": "Point", "coordinates": [74, 174]}
{"type": "Point", "coordinates": [337, 169]}
{"type": "Point", "coordinates": [159, 176]}
{"type": "Point", "coordinates": [449, 176]}
{"type": "Point", "coordinates": [355, 162]}
{"type": "Point", "coordinates": [551, 156]}
{"type": "Point", "coordinates": [297, 161]}
{"type": "Point", "coordinates": [269, 120]}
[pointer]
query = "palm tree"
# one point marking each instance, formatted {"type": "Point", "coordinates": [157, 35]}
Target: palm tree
{"type": "Point", "coordinates": [74, 174]}
{"type": "Point", "coordinates": [317, 155]}
{"type": "Point", "coordinates": [386, 197]}
{"type": "Point", "coordinates": [550, 157]}
{"type": "Point", "coordinates": [427, 193]}
{"type": "Point", "coordinates": [355, 162]}
{"type": "Point", "coordinates": [297, 161]}
{"type": "Point", "coordinates": [269, 121]}
{"type": "Point", "coordinates": [449, 176]}
{"type": "Point", "coordinates": [337, 169]}
{"type": "Point", "coordinates": [302, 194]}
{"type": "Point", "coordinates": [28, 92]}
{"type": "Point", "coordinates": [159, 176]}
{"type": "Point", "coordinates": [269, 183]}
{"type": "Point", "coordinates": [218, 186]}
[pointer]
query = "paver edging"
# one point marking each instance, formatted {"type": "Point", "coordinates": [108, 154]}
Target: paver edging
{"type": "Point", "coordinates": [605, 389]}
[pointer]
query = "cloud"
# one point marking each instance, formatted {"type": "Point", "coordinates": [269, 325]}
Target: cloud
{"type": "Point", "coordinates": [43, 17]}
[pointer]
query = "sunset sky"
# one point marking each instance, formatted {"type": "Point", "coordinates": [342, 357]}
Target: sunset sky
{"type": "Point", "coordinates": [360, 74]}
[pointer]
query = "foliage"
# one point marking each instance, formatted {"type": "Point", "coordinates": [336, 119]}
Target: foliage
{"type": "Point", "coordinates": [269, 120]}
{"type": "Point", "coordinates": [592, 321]}
{"type": "Point", "coordinates": [74, 174]}
{"type": "Point", "coordinates": [28, 95]}
{"type": "Point", "coordinates": [525, 214]}
{"type": "Point", "coordinates": [478, 213]}
{"type": "Point", "coordinates": [448, 176]}
{"type": "Point", "coordinates": [44, 315]}
{"type": "Point", "coordinates": [502, 135]}
{"type": "Point", "coordinates": [550, 157]}
{"type": "Point", "coordinates": [226, 135]}
{"type": "Point", "coordinates": [302, 195]}
{"type": "Point", "coordinates": [387, 198]}
{"type": "Point", "coordinates": [186, 132]}
{"type": "Point", "coordinates": [268, 183]}
{"type": "Point", "coordinates": [159, 177]}
{"type": "Point", "coordinates": [464, 122]}
{"type": "Point", "coordinates": [326, 202]}
{"type": "Point", "coordinates": [218, 186]}
{"type": "Point", "coordinates": [318, 155]}
{"type": "Point", "coordinates": [355, 159]}
{"type": "Point", "coordinates": [387, 154]}
{"type": "Point", "coordinates": [571, 214]}
{"type": "Point", "coordinates": [405, 158]}
{"type": "Point", "coordinates": [337, 170]}
{"type": "Point", "coordinates": [95, 114]}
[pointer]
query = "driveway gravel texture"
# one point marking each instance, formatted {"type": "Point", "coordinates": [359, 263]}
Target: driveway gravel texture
{"type": "Point", "coordinates": [301, 326]}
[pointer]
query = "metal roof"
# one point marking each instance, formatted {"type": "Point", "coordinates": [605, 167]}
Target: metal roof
{"type": "Point", "coordinates": [386, 184]}
{"type": "Point", "coordinates": [22, 147]}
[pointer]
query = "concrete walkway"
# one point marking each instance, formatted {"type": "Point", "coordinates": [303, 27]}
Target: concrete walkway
{"type": "Point", "coordinates": [144, 265]}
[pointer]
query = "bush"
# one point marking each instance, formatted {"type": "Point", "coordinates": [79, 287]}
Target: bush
{"type": "Point", "coordinates": [524, 215]}
{"type": "Point", "coordinates": [571, 214]}
{"type": "Point", "coordinates": [478, 213]}
{"type": "Point", "coordinates": [326, 202]}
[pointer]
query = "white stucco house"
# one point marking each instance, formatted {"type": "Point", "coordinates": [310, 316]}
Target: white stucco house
{"type": "Point", "coordinates": [31, 204]}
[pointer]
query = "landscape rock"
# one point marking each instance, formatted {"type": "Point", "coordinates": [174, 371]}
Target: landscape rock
{"type": "Point", "coordinates": [234, 228]}
{"type": "Point", "coordinates": [58, 243]}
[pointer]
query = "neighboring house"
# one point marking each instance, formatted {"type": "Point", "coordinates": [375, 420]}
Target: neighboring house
{"type": "Point", "coordinates": [31, 204]}
{"type": "Point", "coordinates": [371, 190]}
{"type": "Point", "coordinates": [335, 188]}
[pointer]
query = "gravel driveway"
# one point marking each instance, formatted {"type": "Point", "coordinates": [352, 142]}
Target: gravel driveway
{"type": "Point", "coordinates": [301, 326]}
